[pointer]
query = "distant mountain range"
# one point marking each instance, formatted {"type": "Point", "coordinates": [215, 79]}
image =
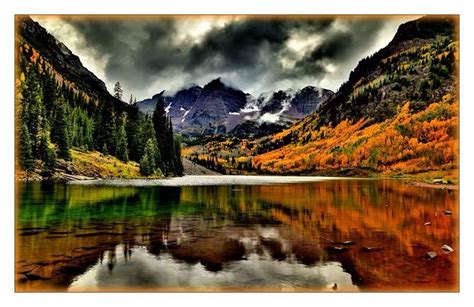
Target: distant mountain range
{"type": "Point", "coordinates": [218, 108]}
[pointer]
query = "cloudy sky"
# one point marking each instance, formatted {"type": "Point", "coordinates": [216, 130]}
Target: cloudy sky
{"type": "Point", "coordinates": [151, 54]}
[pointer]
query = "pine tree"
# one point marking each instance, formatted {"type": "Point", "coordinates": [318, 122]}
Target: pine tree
{"type": "Point", "coordinates": [160, 123]}
{"type": "Point", "coordinates": [165, 138]}
{"type": "Point", "coordinates": [105, 132]}
{"type": "Point", "coordinates": [51, 94]}
{"type": "Point", "coordinates": [178, 163]}
{"type": "Point", "coordinates": [81, 129]}
{"type": "Point", "coordinates": [49, 167]}
{"type": "Point", "coordinates": [122, 146]}
{"type": "Point", "coordinates": [88, 133]}
{"type": "Point", "coordinates": [149, 134]}
{"type": "Point", "coordinates": [147, 162]}
{"type": "Point", "coordinates": [111, 130]}
{"type": "Point", "coordinates": [135, 133]}
{"type": "Point", "coordinates": [171, 152]}
{"type": "Point", "coordinates": [33, 114]}
{"type": "Point", "coordinates": [118, 91]}
{"type": "Point", "coordinates": [26, 156]}
{"type": "Point", "coordinates": [59, 130]}
{"type": "Point", "coordinates": [43, 146]}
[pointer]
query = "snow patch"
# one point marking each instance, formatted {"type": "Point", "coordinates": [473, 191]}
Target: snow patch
{"type": "Point", "coordinates": [250, 109]}
{"type": "Point", "coordinates": [167, 109]}
{"type": "Point", "coordinates": [234, 113]}
{"type": "Point", "coordinates": [184, 116]}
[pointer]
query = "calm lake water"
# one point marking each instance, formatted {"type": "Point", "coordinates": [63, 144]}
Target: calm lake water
{"type": "Point", "coordinates": [229, 234]}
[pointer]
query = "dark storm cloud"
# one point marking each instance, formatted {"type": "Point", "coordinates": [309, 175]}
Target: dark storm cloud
{"type": "Point", "coordinates": [137, 49]}
{"type": "Point", "coordinates": [239, 42]}
{"type": "Point", "coordinates": [148, 55]}
{"type": "Point", "coordinates": [337, 47]}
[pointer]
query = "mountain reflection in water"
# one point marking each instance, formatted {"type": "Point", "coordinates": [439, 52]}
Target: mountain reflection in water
{"type": "Point", "coordinates": [368, 235]}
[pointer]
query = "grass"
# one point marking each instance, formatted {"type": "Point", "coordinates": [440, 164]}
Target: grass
{"type": "Point", "coordinates": [96, 164]}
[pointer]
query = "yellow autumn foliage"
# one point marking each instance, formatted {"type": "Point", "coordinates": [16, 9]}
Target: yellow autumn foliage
{"type": "Point", "coordinates": [408, 143]}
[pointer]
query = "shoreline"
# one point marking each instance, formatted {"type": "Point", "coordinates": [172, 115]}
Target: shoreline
{"type": "Point", "coordinates": [209, 179]}
{"type": "Point", "coordinates": [443, 186]}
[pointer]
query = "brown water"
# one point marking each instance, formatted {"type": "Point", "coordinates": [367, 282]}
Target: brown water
{"type": "Point", "coordinates": [344, 235]}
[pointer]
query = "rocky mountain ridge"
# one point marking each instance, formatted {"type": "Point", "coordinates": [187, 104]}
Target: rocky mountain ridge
{"type": "Point", "coordinates": [218, 108]}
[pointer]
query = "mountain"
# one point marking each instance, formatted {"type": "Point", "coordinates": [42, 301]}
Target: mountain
{"type": "Point", "coordinates": [396, 74]}
{"type": "Point", "coordinates": [274, 112]}
{"type": "Point", "coordinates": [69, 124]}
{"type": "Point", "coordinates": [218, 108]}
{"type": "Point", "coordinates": [210, 112]}
{"type": "Point", "coordinates": [396, 114]}
{"type": "Point", "coordinates": [198, 110]}
{"type": "Point", "coordinates": [176, 105]}
{"type": "Point", "coordinates": [67, 65]}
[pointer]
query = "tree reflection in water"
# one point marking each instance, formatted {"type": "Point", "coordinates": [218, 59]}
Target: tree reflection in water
{"type": "Point", "coordinates": [369, 234]}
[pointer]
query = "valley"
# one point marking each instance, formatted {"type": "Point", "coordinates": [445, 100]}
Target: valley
{"type": "Point", "coordinates": [396, 116]}
{"type": "Point", "coordinates": [241, 171]}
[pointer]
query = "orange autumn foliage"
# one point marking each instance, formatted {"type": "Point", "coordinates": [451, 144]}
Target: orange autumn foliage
{"type": "Point", "coordinates": [408, 143]}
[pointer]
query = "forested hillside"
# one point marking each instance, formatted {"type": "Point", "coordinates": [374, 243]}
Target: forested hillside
{"type": "Point", "coordinates": [61, 106]}
{"type": "Point", "coordinates": [397, 114]}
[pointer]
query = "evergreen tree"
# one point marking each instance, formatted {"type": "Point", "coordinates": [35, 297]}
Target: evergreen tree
{"type": "Point", "coordinates": [149, 134]}
{"type": "Point", "coordinates": [135, 133]}
{"type": "Point", "coordinates": [50, 93]}
{"type": "Point", "coordinates": [59, 130]}
{"type": "Point", "coordinates": [105, 132]}
{"type": "Point", "coordinates": [81, 129]}
{"type": "Point", "coordinates": [165, 138]}
{"type": "Point", "coordinates": [26, 156]}
{"type": "Point", "coordinates": [178, 163]}
{"type": "Point", "coordinates": [110, 130]}
{"type": "Point", "coordinates": [122, 146]}
{"type": "Point", "coordinates": [171, 150]}
{"type": "Point", "coordinates": [43, 146]}
{"type": "Point", "coordinates": [33, 114]}
{"type": "Point", "coordinates": [147, 162]}
{"type": "Point", "coordinates": [74, 128]}
{"type": "Point", "coordinates": [160, 123]}
{"type": "Point", "coordinates": [49, 167]}
{"type": "Point", "coordinates": [118, 91]}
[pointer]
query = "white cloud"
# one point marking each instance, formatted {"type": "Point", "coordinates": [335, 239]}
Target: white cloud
{"type": "Point", "coordinates": [269, 118]}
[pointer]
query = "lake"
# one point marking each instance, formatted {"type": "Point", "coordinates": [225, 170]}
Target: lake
{"type": "Point", "coordinates": [236, 233]}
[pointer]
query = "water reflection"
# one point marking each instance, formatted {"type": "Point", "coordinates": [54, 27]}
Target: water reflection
{"type": "Point", "coordinates": [358, 234]}
{"type": "Point", "coordinates": [144, 270]}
